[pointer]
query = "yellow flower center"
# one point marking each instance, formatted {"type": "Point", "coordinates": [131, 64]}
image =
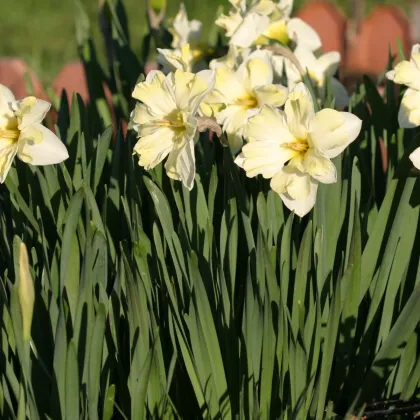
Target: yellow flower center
{"type": "Point", "coordinates": [174, 121]}
{"type": "Point", "coordinates": [248, 101]}
{"type": "Point", "coordinates": [300, 146]}
{"type": "Point", "coordinates": [10, 134]}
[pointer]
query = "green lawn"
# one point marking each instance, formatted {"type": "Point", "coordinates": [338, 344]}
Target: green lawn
{"type": "Point", "coordinates": [42, 31]}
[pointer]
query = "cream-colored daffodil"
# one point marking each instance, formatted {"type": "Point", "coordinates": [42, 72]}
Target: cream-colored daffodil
{"type": "Point", "coordinates": [166, 121]}
{"type": "Point", "coordinates": [186, 59]}
{"type": "Point", "coordinates": [183, 30]}
{"type": "Point", "coordinates": [294, 148]}
{"type": "Point", "coordinates": [266, 21]}
{"type": "Point", "coordinates": [408, 73]}
{"type": "Point", "coordinates": [23, 135]}
{"type": "Point", "coordinates": [239, 95]}
{"type": "Point", "coordinates": [320, 69]}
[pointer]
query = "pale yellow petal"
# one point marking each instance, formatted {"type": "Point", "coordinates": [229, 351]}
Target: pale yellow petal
{"type": "Point", "coordinates": [299, 110]}
{"type": "Point", "coordinates": [152, 149]}
{"type": "Point", "coordinates": [274, 95]}
{"type": "Point", "coordinates": [415, 158]}
{"type": "Point", "coordinates": [292, 182]}
{"type": "Point", "coordinates": [319, 167]}
{"type": "Point", "coordinates": [155, 94]}
{"type": "Point", "coordinates": [268, 125]}
{"type": "Point", "coordinates": [409, 113]}
{"type": "Point", "coordinates": [332, 131]}
{"type": "Point", "coordinates": [181, 163]}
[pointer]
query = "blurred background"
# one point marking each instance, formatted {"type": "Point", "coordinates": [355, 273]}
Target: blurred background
{"type": "Point", "coordinates": [41, 33]}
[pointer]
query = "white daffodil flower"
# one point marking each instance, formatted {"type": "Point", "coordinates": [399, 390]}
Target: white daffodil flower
{"type": "Point", "coordinates": [321, 70]}
{"type": "Point", "coordinates": [186, 59]}
{"type": "Point", "coordinates": [239, 95]}
{"type": "Point", "coordinates": [183, 30]}
{"type": "Point", "coordinates": [294, 148]}
{"type": "Point", "coordinates": [408, 73]}
{"type": "Point", "coordinates": [265, 21]}
{"type": "Point", "coordinates": [166, 121]}
{"type": "Point", "coordinates": [23, 135]}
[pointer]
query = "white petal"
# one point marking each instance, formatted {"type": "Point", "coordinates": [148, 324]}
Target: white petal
{"type": "Point", "coordinates": [274, 95]}
{"type": "Point", "coordinates": [409, 113]}
{"type": "Point", "coordinates": [268, 125]}
{"type": "Point", "coordinates": [181, 163]}
{"type": "Point", "coordinates": [256, 71]}
{"type": "Point", "coordinates": [152, 149]}
{"type": "Point", "coordinates": [303, 34]}
{"type": "Point", "coordinates": [319, 167]}
{"type": "Point", "coordinates": [8, 152]}
{"type": "Point", "coordinates": [35, 113]}
{"type": "Point", "coordinates": [299, 110]}
{"type": "Point", "coordinates": [332, 131]}
{"type": "Point", "coordinates": [328, 63]}
{"type": "Point", "coordinates": [306, 58]}
{"type": "Point", "coordinates": [48, 151]}
{"type": "Point", "coordinates": [6, 113]}
{"type": "Point", "coordinates": [264, 158]}
{"type": "Point", "coordinates": [156, 93]}
{"type": "Point", "coordinates": [249, 30]}
{"type": "Point", "coordinates": [415, 158]}
{"type": "Point", "coordinates": [339, 92]}
{"type": "Point", "coordinates": [285, 7]}
{"type": "Point", "coordinates": [291, 181]}
{"type": "Point", "coordinates": [406, 73]}
{"type": "Point", "coordinates": [304, 206]}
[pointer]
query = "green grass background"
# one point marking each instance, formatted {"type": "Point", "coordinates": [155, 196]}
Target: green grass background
{"type": "Point", "coordinates": [42, 31]}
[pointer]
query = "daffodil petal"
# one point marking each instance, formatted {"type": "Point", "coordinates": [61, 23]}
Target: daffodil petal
{"type": "Point", "coordinates": [303, 34]}
{"type": "Point", "coordinates": [35, 113]}
{"type": "Point", "coordinates": [229, 23]}
{"type": "Point", "coordinates": [319, 167]}
{"type": "Point", "coordinates": [181, 164]}
{"type": "Point", "coordinates": [227, 85]}
{"type": "Point", "coordinates": [274, 95]}
{"type": "Point", "coordinates": [255, 72]}
{"type": "Point", "coordinates": [6, 112]}
{"type": "Point", "coordinates": [409, 113]}
{"type": "Point", "coordinates": [332, 131]}
{"type": "Point", "coordinates": [328, 63]}
{"type": "Point", "coordinates": [8, 152]}
{"type": "Point", "coordinates": [153, 94]}
{"type": "Point", "coordinates": [40, 146]}
{"type": "Point", "coordinates": [415, 158]}
{"type": "Point", "coordinates": [264, 158]}
{"type": "Point", "coordinates": [268, 125]}
{"type": "Point", "coordinates": [292, 182]}
{"type": "Point", "coordinates": [299, 110]}
{"type": "Point", "coordinates": [406, 73]}
{"type": "Point", "coordinates": [304, 206]}
{"type": "Point", "coordinates": [152, 149]}
{"type": "Point", "coordinates": [249, 30]}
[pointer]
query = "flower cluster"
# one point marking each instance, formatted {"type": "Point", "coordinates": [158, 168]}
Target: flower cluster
{"type": "Point", "coordinates": [408, 73]}
{"type": "Point", "coordinates": [257, 97]}
{"type": "Point", "coordinates": [255, 94]}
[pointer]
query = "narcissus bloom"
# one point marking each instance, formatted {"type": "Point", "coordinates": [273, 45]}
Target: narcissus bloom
{"type": "Point", "coordinates": [23, 135]}
{"type": "Point", "coordinates": [408, 73]}
{"type": "Point", "coordinates": [183, 30]}
{"type": "Point", "coordinates": [265, 21]}
{"type": "Point", "coordinates": [321, 70]}
{"type": "Point", "coordinates": [241, 94]}
{"type": "Point", "coordinates": [295, 147]}
{"type": "Point", "coordinates": [166, 121]}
